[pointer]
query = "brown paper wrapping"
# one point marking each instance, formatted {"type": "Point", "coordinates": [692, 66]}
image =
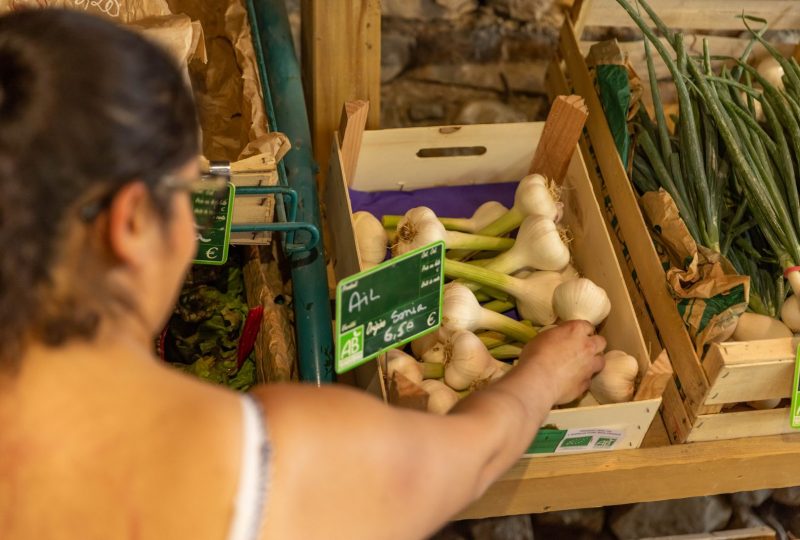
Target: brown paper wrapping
{"type": "Point", "coordinates": [709, 293]}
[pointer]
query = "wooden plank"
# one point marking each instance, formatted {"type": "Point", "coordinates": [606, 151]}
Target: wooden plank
{"type": "Point", "coordinates": [752, 382]}
{"type": "Point", "coordinates": [701, 14]}
{"type": "Point", "coordinates": [750, 371]}
{"type": "Point", "coordinates": [733, 425]}
{"type": "Point", "coordinates": [500, 153]}
{"type": "Point", "coordinates": [694, 383]}
{"type": "Point", "coordinates": [350, 133]}
{"type": "Point", "coordinates": [611, 478]}
{"type": "Point", "coordinates": [561, 132]}
{"type": "Point", "coordinates": [344, 254]}
{"type": "Point", "coordinates": [558, 85]}
{"type": "Point", "coordinates": [750, 533]}
{"type": "Point", "coordinates": [341, 62]}
{"type": "Point", "coordinates": [677, 421]}
{"type": "Point", "coordinates": [655, 379]}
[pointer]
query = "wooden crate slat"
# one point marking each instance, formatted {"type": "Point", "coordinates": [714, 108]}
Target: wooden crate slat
{"type": "Point", "coordinates": [699, 14]}
{"type": "Point", "coordinates": [694, 383]}
{"type": "Point", "coordinates": [734, 425]}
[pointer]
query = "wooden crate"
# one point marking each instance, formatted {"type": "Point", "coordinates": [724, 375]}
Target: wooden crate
{"type": "Point", "coordinates": [388, 159]}
{"type": "Point", "coordinates": [695, 404]}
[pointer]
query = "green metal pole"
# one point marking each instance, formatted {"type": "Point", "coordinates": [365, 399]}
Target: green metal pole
{"type": "Point", "coordinates": [286, 109]}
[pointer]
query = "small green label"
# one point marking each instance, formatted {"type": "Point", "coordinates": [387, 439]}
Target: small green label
{"type": "Point", "coordinates": [574, 442]}
{"type": "Point", "coordinates": [547, 441]}
{"type": "Point", "coordinates": [213, 239]}
{"type": "Point", "coordinates": [796, 392]}
{"type": "Point", "coordinates": [389, 305]}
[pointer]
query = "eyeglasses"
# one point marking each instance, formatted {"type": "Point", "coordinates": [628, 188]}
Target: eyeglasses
{"type": "Point", "coordinates": [211, 189]}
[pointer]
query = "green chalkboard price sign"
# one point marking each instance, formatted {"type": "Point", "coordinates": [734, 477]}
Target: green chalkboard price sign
{"type": "Point", "coordinates": [212, 216]}
{"type": "Point", "coordinates": [389, 305]}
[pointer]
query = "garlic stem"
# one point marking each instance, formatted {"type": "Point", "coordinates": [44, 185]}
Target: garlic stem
{"type": "Point", "coordinates": [492, 339]}
{"type": "Point", "coordinates": [508, 326]}
{"type": "Point", "coordinates": [461, 311]}
{"type": "Point", "coordinates": [432, 370]}
{"type": "Point", "coordinates": [498, 306]}
{"type": "Point", "coordinates": [420, 227]}
{"type": "Point", "coordinates": [506, 351]}
{"type": "Point", "coordinates": [533, 197]}
{"type": "Point", "coordinates": [538, 245]}
{"type": "Point", "coordinates": [483, 215]}
{"type": "Point", "coordinates": [534, 293]}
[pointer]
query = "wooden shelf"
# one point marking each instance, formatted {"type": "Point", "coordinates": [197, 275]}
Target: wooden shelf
{"type": "Point", "coordinates": [648, 474]}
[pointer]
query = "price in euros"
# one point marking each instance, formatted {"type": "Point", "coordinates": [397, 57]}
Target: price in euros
{"type": "Point", "coordinates": [396, 334]}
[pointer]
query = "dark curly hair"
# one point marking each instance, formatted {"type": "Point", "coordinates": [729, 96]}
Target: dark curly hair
{"type": "Point", "coordinates": [85, 107]}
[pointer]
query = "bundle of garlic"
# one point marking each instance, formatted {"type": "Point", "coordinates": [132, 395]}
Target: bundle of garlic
{"type": "Point", "coordinates": [485, 214]}
{"type": "Point", "coordinates": [462, 311]}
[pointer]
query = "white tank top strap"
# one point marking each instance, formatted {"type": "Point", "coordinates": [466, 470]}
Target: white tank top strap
{"type": "Point", "coordinates": [253, 475]}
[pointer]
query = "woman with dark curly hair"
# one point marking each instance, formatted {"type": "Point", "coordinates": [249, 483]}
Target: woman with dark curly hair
{"type": "Point", "coordinates": [98, 439]}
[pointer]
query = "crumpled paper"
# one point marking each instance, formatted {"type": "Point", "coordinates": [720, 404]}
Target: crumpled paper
{"type": "Point", "coordinates": [229, 98]}
{"type": "Point", "coordinates": [710, 295]}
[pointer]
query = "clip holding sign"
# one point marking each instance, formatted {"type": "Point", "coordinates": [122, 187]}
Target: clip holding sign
{"type": "Point", "coordinates": [388, 305]}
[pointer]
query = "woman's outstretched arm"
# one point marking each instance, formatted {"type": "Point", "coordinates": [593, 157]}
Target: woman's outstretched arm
{"type": "Point", "coordinates": [348, 466]}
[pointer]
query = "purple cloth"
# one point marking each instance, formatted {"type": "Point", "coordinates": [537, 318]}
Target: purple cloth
{"type": "Point", "coordinates": [453, 201]}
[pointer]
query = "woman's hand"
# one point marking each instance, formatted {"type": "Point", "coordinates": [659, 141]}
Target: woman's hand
{"type": "Point", "coordinates": [567, 356]}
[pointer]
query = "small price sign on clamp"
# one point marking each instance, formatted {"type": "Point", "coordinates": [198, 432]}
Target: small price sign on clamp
{"type": "Point", "coordinates": [795, 407]}
{"type": "Point", "coordinates": [213, 213]}
{"type": "Point", "coordinates": [389, 305]}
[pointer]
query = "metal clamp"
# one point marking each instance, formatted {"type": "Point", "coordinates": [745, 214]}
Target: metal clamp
{"type": "Point", "coordinates": [286, 213]}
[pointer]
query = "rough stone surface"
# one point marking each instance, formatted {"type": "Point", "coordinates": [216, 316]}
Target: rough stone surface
{"type": "Point", "coordinates": [419, 112]}
{"type": "Point", "coordinates": [488, 112]}
{"type": "Point", "coordinates": [788, 496]}
{"type": "Point", "coordinates": [526, 10]}
{"type": "Point", "coordinates": [751, 498]}
{"type": "Point", "coordinates": [502, 528]}
{"type": "Point", "coordinates": [683, 516]}
{"type": "Point", "coordinates": [395, 54]}
{"type": "Point", "coordinates": [591, 520]}
{"type": "Point", "coordinates": [427, 9]}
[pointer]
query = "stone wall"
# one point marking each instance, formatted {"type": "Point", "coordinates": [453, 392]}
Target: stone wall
{"type": "Point", "coordinates": [466, 61]}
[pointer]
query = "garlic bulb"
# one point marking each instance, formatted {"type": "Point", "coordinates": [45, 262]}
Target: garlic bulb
{"type": "Point", "coordinates": [465, 359]}
{"type": "Point", "coordinates": [538, 245]}
{"type": "Point", "coordinates": [397, 360]}
{"type": "Point", "coordinates": [371, 239]}
{"type": "Point", "coordinates": [752, 326]}
{"type": "Point", "coordinates": [790, 313]}
{"type": "Point", "coordinates": [535, 197]}
{"type": "Point", "coordinates": [569, 272]}
{"type": "Point", "coordinates": [420, 227]}
{"type": "Point", "coordinates": [772, 71]}
{"type": "Point", "coordinates": [615, 383]}
{"type": "Point", "coordinates": [420, 345]}
{"type": "Point", "coordinates": [764, 404]}
{"type": "Point", "coordinates": [534, 293]}
{"type": "Point", "coordinates": [461, 311]}
{"type": "Point", "coordinates": [581, 300]}
{"type": "Point", "coordinates": [441, 397]}
{"type": "Point", "coordinates": [434, 355]}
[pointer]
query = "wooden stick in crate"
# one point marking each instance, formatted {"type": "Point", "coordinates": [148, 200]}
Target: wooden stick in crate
{"type": "Point", "coordinates": [351, 131]}
{"type": "Point", "coordinates": [559, 138]}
